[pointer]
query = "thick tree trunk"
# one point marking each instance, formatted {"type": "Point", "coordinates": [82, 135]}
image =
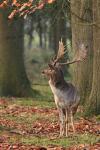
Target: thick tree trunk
{"type": "Point", "coordinates": [94, 100]}
{"type": "Point", "coordinates": [13, 78]}
{"type": "Point", "coordinates": [82, 32]}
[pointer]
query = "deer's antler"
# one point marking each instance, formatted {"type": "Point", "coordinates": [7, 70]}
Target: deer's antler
{"type": "Point", "coordinates": [80, 55]}
{"type": "Point", "coordinates": [61, 52]}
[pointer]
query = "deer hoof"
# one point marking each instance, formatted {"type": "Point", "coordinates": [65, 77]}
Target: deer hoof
{"type": "Point", "coordinates": [67, 135]}
{"type": "Point", "coordinates": [61, 135]}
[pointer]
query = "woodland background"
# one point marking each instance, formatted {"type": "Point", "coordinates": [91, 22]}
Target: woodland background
{"type": "Point", "coordinates": [29, 35]}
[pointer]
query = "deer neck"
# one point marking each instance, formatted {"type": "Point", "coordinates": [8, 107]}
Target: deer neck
{"type": "Point", "coordinates": [57, 82]}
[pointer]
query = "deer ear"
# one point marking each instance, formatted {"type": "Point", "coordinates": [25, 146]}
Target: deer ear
{"type": "Point", "coordinates": [51, 66]}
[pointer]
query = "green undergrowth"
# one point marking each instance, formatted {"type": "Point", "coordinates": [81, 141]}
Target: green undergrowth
{"type": "Point", "coordinates": [44, 99]}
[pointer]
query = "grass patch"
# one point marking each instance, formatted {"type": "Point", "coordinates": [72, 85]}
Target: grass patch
{"type": "Point", "coordinates": [36, 102]}
{"type": "Point", "coordinates": [29, 119]}
{"type": "Point", "coordinates": [98, 118]}
{"type": "Point", "coordinates": [42, 100]}
{"type": "Point", "coordinates": [65, 142]}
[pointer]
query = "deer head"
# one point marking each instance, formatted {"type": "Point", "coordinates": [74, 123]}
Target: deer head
{"type": "Point", "coordinates": [54, 67]}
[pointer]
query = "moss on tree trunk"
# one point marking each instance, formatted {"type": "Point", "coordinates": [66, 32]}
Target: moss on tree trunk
{"type": "Point", "coordinates": [13, 78]}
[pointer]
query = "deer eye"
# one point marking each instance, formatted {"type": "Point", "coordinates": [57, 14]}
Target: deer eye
{"type": "Point", "coordinates": [50, 69]}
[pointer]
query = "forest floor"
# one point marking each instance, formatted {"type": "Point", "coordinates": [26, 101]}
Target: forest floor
{"type": "Point", "coordinates": [32, 124]}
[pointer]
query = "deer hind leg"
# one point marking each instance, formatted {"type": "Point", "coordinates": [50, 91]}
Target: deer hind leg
{"type": "Point", "coordinates": [62, 123]}
{"type": "Point", "coordinates": [72, 121]}
{"type": "Point", "coordinates": [72, 113]}
{"type": "Point", "coordinates": [67, 122]}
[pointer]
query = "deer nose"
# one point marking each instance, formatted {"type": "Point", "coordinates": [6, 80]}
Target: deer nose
{"type": "Point", "coordinates": [42, 72]}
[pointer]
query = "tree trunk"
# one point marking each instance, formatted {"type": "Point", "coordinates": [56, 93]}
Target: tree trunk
{"type": "Point", "coordinates": [13, 78]}
{"type": "Point", "coordinates": [59, 31]}
{"type": "Point", "coordinates": [50, 36]}
{"type": "Point", "coordinates": [94, 100]}
{"type": "Point", "coordinates": [81, 16]}
{"type": "Point", "coordinates": [31, 33]}
{"type": "Point", "coordinates": [40, 33]}
{"type": "Point", "coordinates": [55, 38]}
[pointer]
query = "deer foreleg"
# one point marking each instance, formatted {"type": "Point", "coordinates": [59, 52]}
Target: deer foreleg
{"type": "Point", "coordinates": [62, 123]}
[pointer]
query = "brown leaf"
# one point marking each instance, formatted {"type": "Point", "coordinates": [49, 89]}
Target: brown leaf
{"type": "Point", "coordinates": [50, 1]}
{"type": "Point", "coordinates": [12, 14]}
{"type": "Point", "coordinates": [3, 4]}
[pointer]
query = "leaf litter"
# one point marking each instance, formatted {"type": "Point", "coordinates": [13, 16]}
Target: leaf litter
{"type": "Point", "coordinates": [40, 127]}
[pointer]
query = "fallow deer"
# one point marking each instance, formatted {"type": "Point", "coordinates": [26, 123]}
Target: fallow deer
{"type": "Point", "coordinates": [65, 94]}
